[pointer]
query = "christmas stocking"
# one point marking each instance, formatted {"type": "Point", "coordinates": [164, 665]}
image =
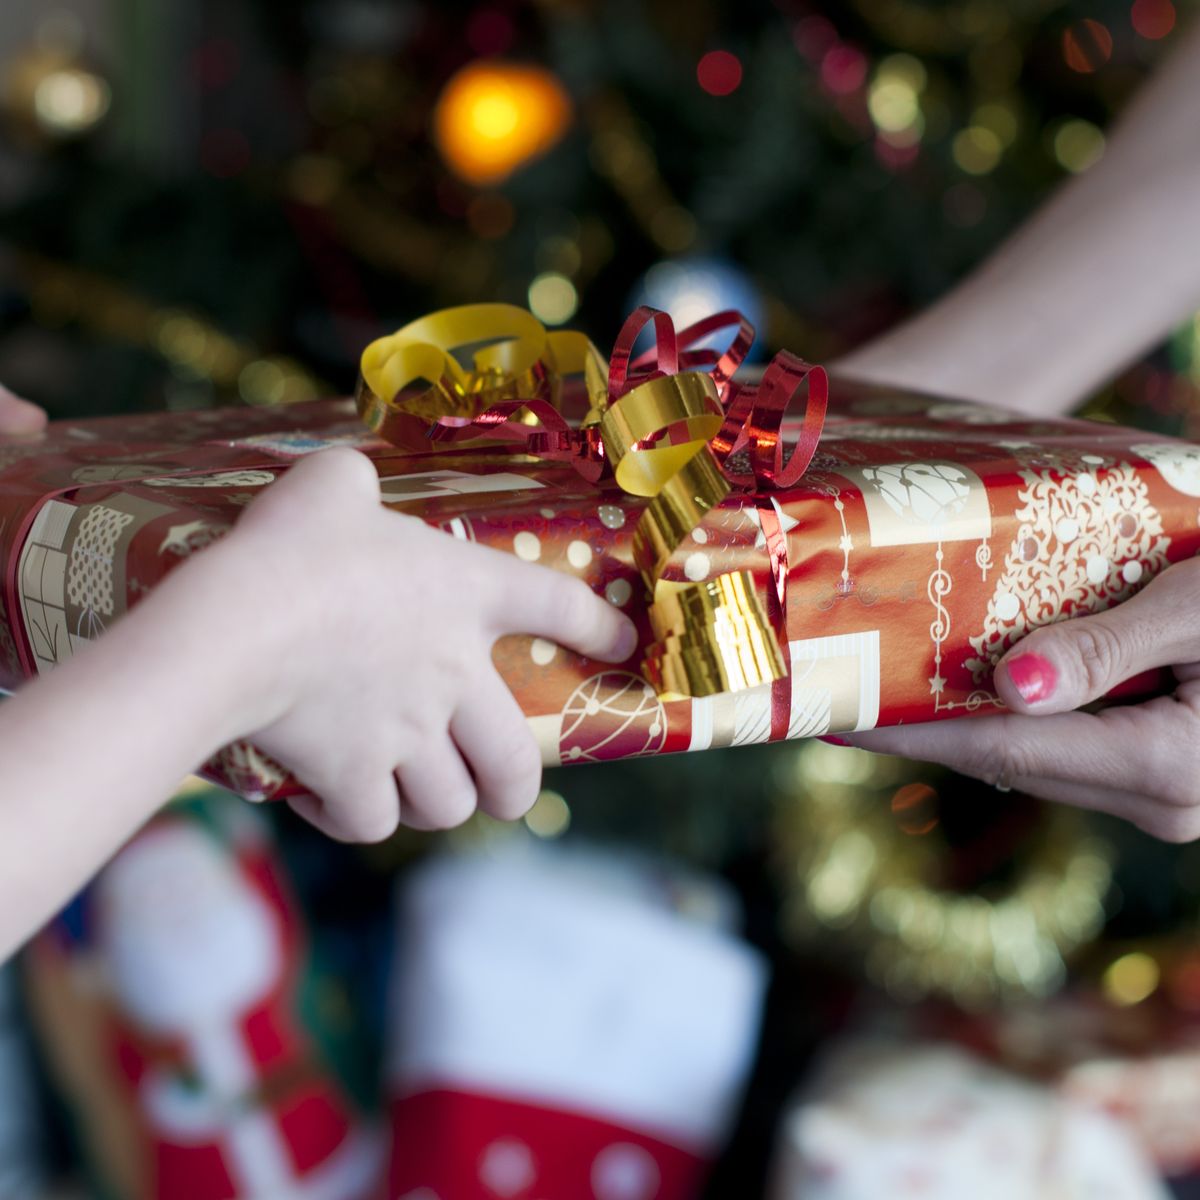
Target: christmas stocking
{"type": "Point", "coordinates": [563, 1032]}
{"type": "Point", "coordinates": [930, 1122]}
{"type": "Point", "coordinates": [170, 1007]}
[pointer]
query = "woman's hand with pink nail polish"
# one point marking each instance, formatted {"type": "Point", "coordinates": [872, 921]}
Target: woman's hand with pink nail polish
{"type": "Point", "coordinates": [1139, 761]}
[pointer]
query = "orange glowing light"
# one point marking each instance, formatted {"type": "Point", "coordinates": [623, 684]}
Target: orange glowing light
{"type": "Point", "coordinates": [1087, 46]}
{"type": "Point", "coordinates": [493, 117]}
{"type": "Point", "coordinates": [915, 807]}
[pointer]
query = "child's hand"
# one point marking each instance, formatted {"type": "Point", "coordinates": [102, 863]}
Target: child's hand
{"type": "Point", "coordinates": [372, 643]}
{"type": "Point", "coordinates": [19, 416]}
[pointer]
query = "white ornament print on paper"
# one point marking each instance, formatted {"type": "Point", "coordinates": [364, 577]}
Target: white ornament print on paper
{"type": "Point", "coordinates": [1177, 462]}
{"type": "Point", "coordinates": [834, 687]}
{"type": "Point", "coordinates": [219, 479]}
{"type": "Point", "coordinates": [42, 571]}
{"type": "Point", "coordinates": [922, 503]}
{"type": "Point", "coordinates": [1084, 541]}
{"type": "Point", "coordinates": [428, 485]}
{"type": "Point", "coordinates": [90, 571]}
{"type": "Point", "coordinates": [613, 714]}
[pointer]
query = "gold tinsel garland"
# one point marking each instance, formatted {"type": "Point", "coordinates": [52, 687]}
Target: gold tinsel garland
{"type": "Point", "coordinates": [853, 874]}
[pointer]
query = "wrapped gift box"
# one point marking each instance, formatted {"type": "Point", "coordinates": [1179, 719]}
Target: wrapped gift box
{"type": "Point", "coordinates": [924, 539]}
{"type": "Point", "coordinates": [921, 1120]}
{"type": "Point", "coordinates": [1138, 1063]}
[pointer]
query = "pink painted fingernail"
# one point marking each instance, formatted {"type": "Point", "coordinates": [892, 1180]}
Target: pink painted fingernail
{"type": "Point", "coordinates": [833, 741]}
{"type": "Point", "coordinates": [1033, 676]}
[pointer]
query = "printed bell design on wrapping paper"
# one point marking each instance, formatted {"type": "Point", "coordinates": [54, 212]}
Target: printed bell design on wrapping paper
{"type": "Point", "coordinates": [195, 949]}
{"type": "Point", "coordinates": [560, 1032]}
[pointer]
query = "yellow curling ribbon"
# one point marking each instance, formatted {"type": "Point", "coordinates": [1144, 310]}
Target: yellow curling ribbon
{"type": "Point", "coordinates": [711, 636]}
{"type": "Point", "coordinates": [514, 358]}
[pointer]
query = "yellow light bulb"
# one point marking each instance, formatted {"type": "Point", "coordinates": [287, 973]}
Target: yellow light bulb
{"type": "Point", "coordinates": [493, 117]}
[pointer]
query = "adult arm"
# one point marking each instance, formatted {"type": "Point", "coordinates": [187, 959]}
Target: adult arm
{"type": "Point", "coordinates": [1101, 273]}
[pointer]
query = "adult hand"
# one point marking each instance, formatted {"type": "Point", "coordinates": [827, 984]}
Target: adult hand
{"type": "Point", "coordinates": [18, 416]}
{"type": "Point", "coordinates": [1137, 761]}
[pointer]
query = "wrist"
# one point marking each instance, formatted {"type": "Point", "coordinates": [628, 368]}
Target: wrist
{"type": "Point", "coordinates": [228, 637]}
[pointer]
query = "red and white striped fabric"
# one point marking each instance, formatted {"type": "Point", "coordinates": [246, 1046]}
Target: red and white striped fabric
{"type": "Point", "coordinates": [563, 1032]}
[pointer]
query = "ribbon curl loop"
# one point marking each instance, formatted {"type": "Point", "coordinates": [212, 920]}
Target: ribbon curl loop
{"type": "Point", "coordinates": [667, 421]}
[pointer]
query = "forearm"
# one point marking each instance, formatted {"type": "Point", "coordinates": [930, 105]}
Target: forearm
{"type": "Point", "coordinates": [1100, 274]}
{"type": "Point", "coordinates": [91, 751]}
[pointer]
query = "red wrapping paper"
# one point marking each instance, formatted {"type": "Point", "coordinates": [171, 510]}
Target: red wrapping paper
{"type": "Point", "coordinates": [926, 537]}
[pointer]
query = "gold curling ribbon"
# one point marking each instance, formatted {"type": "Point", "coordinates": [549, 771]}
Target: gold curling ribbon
{"type": "Point", "coordinates": [710, 636]}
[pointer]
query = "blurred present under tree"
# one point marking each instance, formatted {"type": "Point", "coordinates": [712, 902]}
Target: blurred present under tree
{"type": "Point", "coordinates": [223, 203]}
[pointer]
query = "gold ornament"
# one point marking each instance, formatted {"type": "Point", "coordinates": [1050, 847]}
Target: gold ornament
{"type": "Point", "coordinates": [852, 873]}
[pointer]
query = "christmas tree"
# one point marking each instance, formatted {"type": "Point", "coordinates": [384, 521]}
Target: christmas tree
{"type": "Point", "coordinates": [223, 204]}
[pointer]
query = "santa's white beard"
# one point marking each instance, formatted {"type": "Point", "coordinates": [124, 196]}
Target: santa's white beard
{"type": "Point", "coordinates": [188, 942]}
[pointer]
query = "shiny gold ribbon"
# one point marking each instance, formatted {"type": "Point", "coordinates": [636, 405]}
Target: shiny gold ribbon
{"type": "Point", "coordinates": [710, 636]}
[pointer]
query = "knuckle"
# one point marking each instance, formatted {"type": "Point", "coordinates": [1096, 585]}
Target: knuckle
{"type": "Point", "coordinates": [1172, 768]}
{"type": "Point", "coordinates": [509, 785]}
{"type": "Point", "coordinates": [379, 829]}
{"type": "Point", "coordinates": [454, 809]}
{"type": "Point", "coordinates": [370, 824]}
{"type": "Point", "coordinates": [1099, 652]}
{"type": "Point", "coordinates": [519, 772]}
{"type": "Point", "coordinates": [1002, 758]}
{"type": "Point", "coordinates": [524, 759]}
{"type": "Point", "coordinates": [571, 607]}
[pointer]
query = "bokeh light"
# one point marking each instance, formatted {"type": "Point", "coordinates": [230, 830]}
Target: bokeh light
{"type": "Point", "coordinates": [53, 94]}
{"type": "Point", "coordinates": [976, 150]}
{"type": "Point", "coordinates": [550, 816]}
{"type": "Point", "coordinates": [894, 101]}
{"type": "Point", "coordinates": [71, 101]}
{"type": "Point", "coordinates": [1152, 19]}
{"type": "Point", "coordinates": [553, 298]}
{"type": "Point", "coordinates": [692, 288]}
{"type": "Point", "coordinates": [493, 117]}
{"type": "Point", "coordinates": [843, 69]}
{"type": "Point", "coordinates": [1078, 144]}
{"type": "Point", "coordinates": [915, 807]}
{"type": "Point", "coordinates": [1131, 978]}
{"type": "Point", "coordinates": [719, 73]}
{"type": "Point", "coordinates": [1087, 46]}
{"type": "Point", "coordinates": [893, 105]}
{"type": "Point", "coordinates": [999, 117]}
{"type": "Point", "coordinates": [813, 37]}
